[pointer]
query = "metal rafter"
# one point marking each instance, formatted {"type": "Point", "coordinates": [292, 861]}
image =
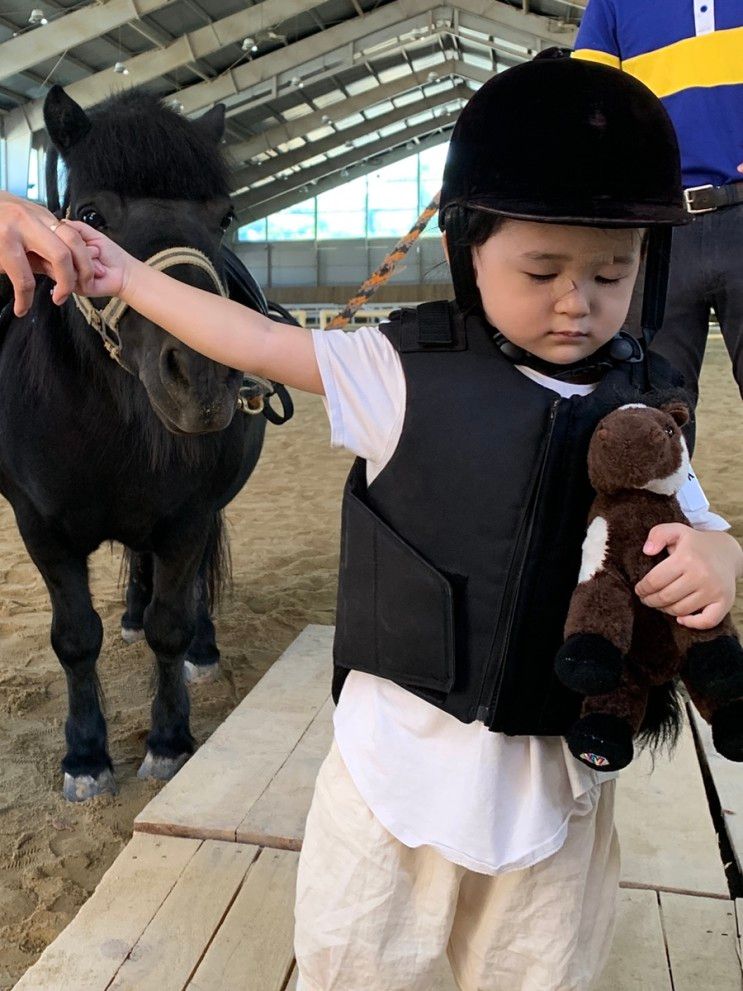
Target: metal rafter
{"type": "Point", "coordinates": [245, 177]}
{"type": "Point", "coordinates": [298, 194]}
{"type": "Point", "coordinates": [301, 126]}
{"type": "Point", "coordinates": [187, 48]}
{"type": "Point", "coordinates": [85, 24]}
{"type": "Point", "coordinates": [261, 201]}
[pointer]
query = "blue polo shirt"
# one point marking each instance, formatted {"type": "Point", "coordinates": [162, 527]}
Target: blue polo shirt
{"type": "Point", "coordinates": [690, 54]}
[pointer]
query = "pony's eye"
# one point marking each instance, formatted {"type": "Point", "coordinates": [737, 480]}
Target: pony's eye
{"type": "Point", "coordinates": [226, 221]}
{"type": "Point", "coordinates": [90, 216]}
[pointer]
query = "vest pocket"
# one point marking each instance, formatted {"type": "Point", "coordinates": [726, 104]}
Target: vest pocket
{"type": "Point", "coordinates": [395, 610]}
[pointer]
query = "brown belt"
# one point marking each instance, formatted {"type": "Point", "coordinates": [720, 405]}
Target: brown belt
{"type": "Point", "coordinates": [704, 199]}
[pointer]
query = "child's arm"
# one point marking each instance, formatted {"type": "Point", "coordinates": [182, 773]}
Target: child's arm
{"type": "Point", "coordinates": [222, 330]}
{"type": "Point", "coordinates": [696, 582]}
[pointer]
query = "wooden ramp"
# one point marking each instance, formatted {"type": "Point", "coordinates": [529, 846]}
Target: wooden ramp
{"type": "Point", "coordinates": [201, 898]}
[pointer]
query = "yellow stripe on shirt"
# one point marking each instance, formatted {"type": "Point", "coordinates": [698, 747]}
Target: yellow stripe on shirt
{"type": "Point", "coordinates": [714, 59]}
{"type": "Point", "coordinates": [591, 55]}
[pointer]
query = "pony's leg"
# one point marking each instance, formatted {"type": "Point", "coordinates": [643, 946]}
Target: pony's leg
{"type": "Point", "coordinates": [202, 657]}
{"type": "Point", "coordinates": [138, 595]}
{"type": "Point", "coordinates": [169, 626]}
{"type": "Point", "coordinates": [76, 634]}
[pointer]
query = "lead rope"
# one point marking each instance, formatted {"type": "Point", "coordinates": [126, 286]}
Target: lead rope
{"type": "Point", "coordinates": [105, 322]}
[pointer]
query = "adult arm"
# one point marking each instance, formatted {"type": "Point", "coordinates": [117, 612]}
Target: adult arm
{"type": "Point", "coordinates": [28, 245]}
{"type": "Point", "coordinates": [597, 39]}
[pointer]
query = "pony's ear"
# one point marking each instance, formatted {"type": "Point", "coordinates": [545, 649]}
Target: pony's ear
{"type": "Point", "coordinates": [211, 124]}
{"type": "Point", "coordinates": [66, 121]}
{"type": "Point", "coordinates": [678, 411]}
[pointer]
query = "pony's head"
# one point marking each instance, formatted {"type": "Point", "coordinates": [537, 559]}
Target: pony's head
{"type": "Point", "coordinates": [151, 179]}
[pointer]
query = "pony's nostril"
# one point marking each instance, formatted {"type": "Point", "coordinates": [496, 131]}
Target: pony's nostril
{"type": "Point", "coordinates": [176, 370]}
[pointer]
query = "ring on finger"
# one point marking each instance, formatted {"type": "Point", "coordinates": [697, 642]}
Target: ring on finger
{"type": "Point", "coordinates": [56, 224]}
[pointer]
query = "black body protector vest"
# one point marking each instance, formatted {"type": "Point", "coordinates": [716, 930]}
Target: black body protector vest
{"type": "Point", "coordinates": [459, 560]}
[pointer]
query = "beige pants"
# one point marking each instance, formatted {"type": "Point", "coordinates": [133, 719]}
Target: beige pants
{"type": "Point", "coordinates": [375, 915]}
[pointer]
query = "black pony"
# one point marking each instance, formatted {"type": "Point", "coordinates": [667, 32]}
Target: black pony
{"type": "Point", "coordinates": [145, 450]}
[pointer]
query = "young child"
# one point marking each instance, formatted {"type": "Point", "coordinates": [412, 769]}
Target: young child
{"type": "Point", "coordinates": [449, 814]}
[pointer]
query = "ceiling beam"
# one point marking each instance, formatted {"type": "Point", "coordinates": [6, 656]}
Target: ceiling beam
{"type": "Point", "coordinates": [63, 33]}
{"type": "Point", "coordinates": [297, 195]}
{"type": "Point", "coordinates": [290, 130]}
{"type": "Point", "coordinates": [287, 160]}
{"type": "Point", "coordinates": [183, 50]}
{"type": "Point", "coordinates": [262, 201]}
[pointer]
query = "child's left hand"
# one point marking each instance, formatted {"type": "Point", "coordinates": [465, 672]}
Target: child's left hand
{"type": "Point", "coordinates": [696, 582]}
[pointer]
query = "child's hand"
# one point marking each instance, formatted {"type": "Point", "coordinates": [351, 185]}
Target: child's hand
{"type": "Point", "coordinates": [111, 264]}
{"type": "Point", "coordinates": [696, 582]}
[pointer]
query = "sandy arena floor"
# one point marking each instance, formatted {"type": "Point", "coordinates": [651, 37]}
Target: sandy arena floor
{"type": "Point", "coordinates": [284, 531]}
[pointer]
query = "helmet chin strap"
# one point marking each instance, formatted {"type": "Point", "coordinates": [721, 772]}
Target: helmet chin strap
{"type": "Point", "coordinates": [621, 348]}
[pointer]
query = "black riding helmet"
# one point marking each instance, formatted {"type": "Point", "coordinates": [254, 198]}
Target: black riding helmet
{"type": "Point", "coordinates": [562, 140]}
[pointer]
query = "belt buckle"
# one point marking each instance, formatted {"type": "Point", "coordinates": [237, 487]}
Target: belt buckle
{"type": "Point", "coordinates": [688, 194]}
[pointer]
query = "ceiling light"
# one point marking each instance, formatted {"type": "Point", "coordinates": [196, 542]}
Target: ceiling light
{"type": "Point", "coordinates": [249, 45]}
{"type": "Point", "coordinates": [121, 69]}
{"type": "Point", "coordinates": [176, 105]}
{"type": "Point", "coordinates": [345, 173]}
{"type": "Point", "coordinates": [432, 77]}
{"type": "Point", "coordinates": [37, 17]}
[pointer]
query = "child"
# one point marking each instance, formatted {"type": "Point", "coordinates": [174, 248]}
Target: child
{"type": "Point", "coordinates": [449, 813]}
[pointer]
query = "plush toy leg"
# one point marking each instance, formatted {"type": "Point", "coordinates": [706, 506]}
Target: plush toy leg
{"type": "Point", "coordinates": [726, 720]}
{"type": "Point", "coordinates": [602, 737]}
{"type": "Point", "coordinates": [598, 632]}
{"type": "Point", "coordinates": [715, 668]}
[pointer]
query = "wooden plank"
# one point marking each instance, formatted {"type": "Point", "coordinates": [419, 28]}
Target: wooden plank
{"type": "Point", "coordinates": [170, 948]}
{"type": "Point", "coordinates": [739, 926]}
{"type": "Point", "coordinates": [443, 979]}
{"type": "Point", "coordinates": [89, 952]}
{"type": "Point", "coordinates": [253, 950]}
{"type": "Point", "coordinates": [637, 961]}
{"type": "Point", "coordinates": [665, 827]}
{"type": "Point", "coordinates": [214, 792]}
{"type": "Point", "coordinates": [702, 942]}
{"type": "Point", "coordinates": [277, 819]}
{"type": "Point", "coordinates": [727, 778]}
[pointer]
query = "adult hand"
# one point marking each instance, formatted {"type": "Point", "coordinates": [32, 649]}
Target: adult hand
{"type": "Point", "coordinates": [696, 582]}
{"type": "Point", "coordinates": [28, 245]}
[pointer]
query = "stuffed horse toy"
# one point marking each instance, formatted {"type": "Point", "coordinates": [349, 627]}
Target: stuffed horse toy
{"type": "Point", "coordinates": [618, 651]}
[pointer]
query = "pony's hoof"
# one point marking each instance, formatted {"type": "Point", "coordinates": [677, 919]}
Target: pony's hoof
{"type": "Point", "coordinates": [131, 636]}
{"type": "Point", "coordinates": [197, 673]}
{"type": "Point", "coordinates": [161, 768]}
{"type": "Point", "coordinates": [82, 787]}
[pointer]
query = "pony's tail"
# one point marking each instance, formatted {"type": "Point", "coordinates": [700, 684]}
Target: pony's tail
{"type": "Point", "coordinates": [663, 720]}
{"type": "Point", "coordinates": [218, 561]}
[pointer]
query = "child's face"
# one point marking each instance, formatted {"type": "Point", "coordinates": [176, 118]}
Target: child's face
{"type": "Point", "coordinates": [558, 291]}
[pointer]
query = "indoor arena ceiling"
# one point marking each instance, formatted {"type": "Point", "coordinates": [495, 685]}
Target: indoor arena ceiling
{"type": "Point", "coordinates": [316, 93]}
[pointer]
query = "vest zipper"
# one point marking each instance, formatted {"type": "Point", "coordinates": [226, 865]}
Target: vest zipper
{"type": "Point", "coordinates": [494, 673]}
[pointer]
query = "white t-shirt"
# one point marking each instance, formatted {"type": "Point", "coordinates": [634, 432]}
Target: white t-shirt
{"type": "Point", "coordinates": [490, 802]}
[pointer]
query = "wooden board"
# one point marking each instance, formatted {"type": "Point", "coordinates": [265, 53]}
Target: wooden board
{"type": "Point", "coordinates": [702, 942]}
{"type": "Point", "coordinates": [171, 946]}
{"type": "Point", "coordinates": [277, 819]}
{"type": "Point", "coordinates": [665, 828]}
{"type": "Point", "coordinates": [253, 949]}
{"type": "Point", "coordinates": [727, 778]}
{"type": "Point", "coordinates": [87, 955]}
{"type": "Point", "coordinates": [637, 961]}
{"type": "Point", "coordinates": [214, 792]}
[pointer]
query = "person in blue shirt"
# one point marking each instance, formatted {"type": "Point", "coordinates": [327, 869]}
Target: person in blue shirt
{"type": "Point", "coordinates": [690, 54]}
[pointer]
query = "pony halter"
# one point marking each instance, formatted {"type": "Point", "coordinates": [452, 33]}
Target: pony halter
{"type": "Point", "coordinates": [105, 322]}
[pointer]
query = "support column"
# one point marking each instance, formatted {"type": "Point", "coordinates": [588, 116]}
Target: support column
{"type": "Point", "coordinates": [17, 157]}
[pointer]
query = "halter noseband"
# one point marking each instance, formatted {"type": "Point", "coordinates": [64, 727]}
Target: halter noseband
{"type": "Point", "coordinates": [105, 322]}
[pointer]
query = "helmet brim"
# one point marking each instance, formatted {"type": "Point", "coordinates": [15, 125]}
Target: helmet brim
{"type": "Point", "coordinates": [588, 214]}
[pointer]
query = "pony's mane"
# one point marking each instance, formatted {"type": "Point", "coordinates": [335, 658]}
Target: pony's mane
{"type": "Point", "coordinates": [137, 147]}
